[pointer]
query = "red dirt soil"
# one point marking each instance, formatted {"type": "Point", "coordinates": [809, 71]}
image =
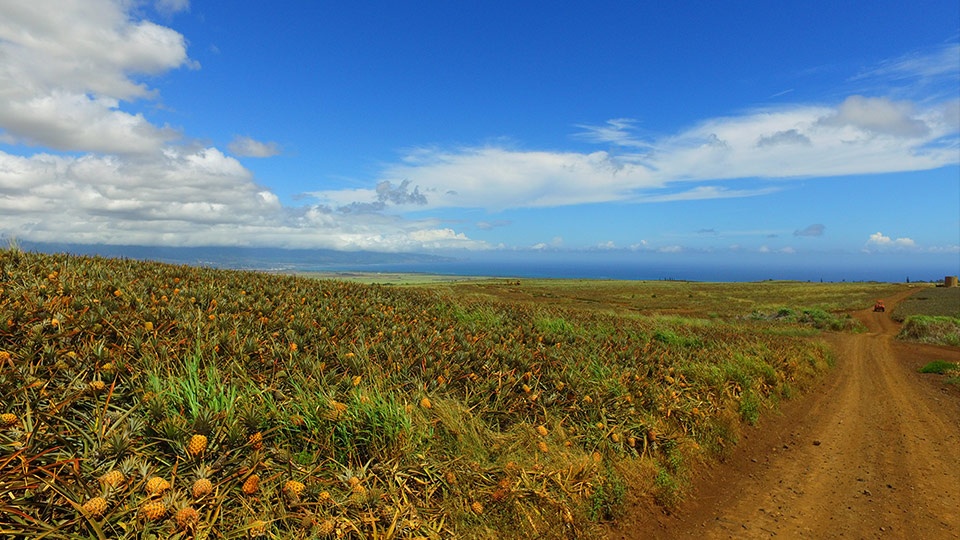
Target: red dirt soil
{"type": "Point", "coordinates": [872, 451]}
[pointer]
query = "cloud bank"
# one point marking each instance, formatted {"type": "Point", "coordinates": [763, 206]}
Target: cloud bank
{"type": "Point", "coordinates": [860, 135]}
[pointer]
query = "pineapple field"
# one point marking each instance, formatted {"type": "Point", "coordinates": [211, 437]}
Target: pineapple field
{"type": "Point", "coordinates": [145, 400]}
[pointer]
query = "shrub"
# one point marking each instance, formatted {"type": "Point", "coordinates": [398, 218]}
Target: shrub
{"type": "Point", "coordinates": [938, 330]}
{"type": "Point", "coordinates": [939, 367]}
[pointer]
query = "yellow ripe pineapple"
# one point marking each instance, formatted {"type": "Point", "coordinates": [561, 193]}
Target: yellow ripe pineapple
{"type": "Point", "coordinates": [95, 507]}
{"type": "Point", "coordinates": [112, 479]}
{"type": "Point", "coordinates": [251, 484]}
{"type": "Point", "coordinates": [477, 507]}
{"type": "Point", "coordinates": [293, 488]}
{"type": "Point", "coordinates": [186, 517]}
{"type": "Point", "coordinates": [156, 486]}
{"type": "Point", "coordinates": [196, 445]}
{"type": "Point", "coordinates": [153, 510]}
{"type": "Point", "coordinates": [256, 441]}
{"type": "Point", "coordinates": [8, 419]}
{"type": "Point", "coordinates": [202, 486]}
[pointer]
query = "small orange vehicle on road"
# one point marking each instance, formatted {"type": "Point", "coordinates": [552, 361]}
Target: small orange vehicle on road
{"type": "Point", "coordinates": [879, 306]}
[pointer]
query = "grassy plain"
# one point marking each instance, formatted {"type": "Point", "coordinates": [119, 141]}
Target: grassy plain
{"type": "Point", "coordinates": [931, 301]}
{"type": "Point", "coordinates": [931, 315]}
{"type": "Point", "coordinates": [321, 408]}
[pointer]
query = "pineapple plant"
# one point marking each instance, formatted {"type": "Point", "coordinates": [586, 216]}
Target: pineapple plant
{"type": "Point", "coordinates": [8, 419]}
{"type": "Point", "coordinates": [196, 445]}
{"type": "Point", "coordinates": [202, 486]}
{"type": "Point", "coordinates": [156, 486]}
{"type": "Point", "coordinates": [186, 516]}
{"type": "Point", "coordinates": [326, 527]}
{"type": "Point", "coordinates": [112, 479]}
{"type": "Point", "coordinates": [96, 507]}
{"type": "Point", "coordinates": [256, 441]}
{"type": "Point", "coordinates": [251, 484]}
{"type": "Point", "coordinates": [293, 489]}
{"type": "Point", "coordinates": [153, 510]}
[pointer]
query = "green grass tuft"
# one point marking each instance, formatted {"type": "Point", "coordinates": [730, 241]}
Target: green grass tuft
{"type": "Point", "coordinates": [940, 367]}
{"type": "Point", "coordinates": [934, 329]}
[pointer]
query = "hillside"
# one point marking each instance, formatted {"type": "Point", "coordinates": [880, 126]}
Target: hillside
{"type": "Point", "coordinates": [335, 409]}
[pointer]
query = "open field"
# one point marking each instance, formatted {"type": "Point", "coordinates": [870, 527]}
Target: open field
{"type": "Point", "coordinates": [324, 408]}
{"type": "Point", "coordinates": [694, 299]}
{"type": "Point", "coordinates": [931, 301]}
{"type": "Point", "coordinates": [390, 278]}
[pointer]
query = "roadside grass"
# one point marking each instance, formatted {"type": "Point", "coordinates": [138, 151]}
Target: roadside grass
{"type": "Point", "coordinates": [813, 317]}
{"type": "Point", "coordinates": [337, 409]}
{"type": "Point", "coordinates": [940, 367]}
{"type": "Point", "coordinates": [934, 329]}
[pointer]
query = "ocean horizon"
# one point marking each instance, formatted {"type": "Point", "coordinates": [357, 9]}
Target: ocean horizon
{"type": "Point", "coordinates": [558, 264]}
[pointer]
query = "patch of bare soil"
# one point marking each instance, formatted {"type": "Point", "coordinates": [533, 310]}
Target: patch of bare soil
{"type": "Point", "coordinates": [872, 452]}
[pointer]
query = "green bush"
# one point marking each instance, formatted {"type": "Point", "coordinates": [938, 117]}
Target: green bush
{"type": "Point", "coordinates": [939, 367]}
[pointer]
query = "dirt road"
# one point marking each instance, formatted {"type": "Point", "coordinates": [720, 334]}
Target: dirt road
{"type": "Point", "coordinates": [872, 452]}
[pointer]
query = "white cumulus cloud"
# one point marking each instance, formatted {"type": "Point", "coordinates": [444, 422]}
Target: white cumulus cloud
{"type": "Point", "coordinates": [880, 240]}
{"type": "Point", "coordinates": [65, 68]}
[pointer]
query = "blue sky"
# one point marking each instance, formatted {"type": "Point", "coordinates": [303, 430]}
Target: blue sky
{"type": "Point", "coordinates": [812, 130]}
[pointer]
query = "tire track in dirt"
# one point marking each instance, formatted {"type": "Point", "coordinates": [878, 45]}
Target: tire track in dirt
{"type": "Point", "coordinates": [873, 451]}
